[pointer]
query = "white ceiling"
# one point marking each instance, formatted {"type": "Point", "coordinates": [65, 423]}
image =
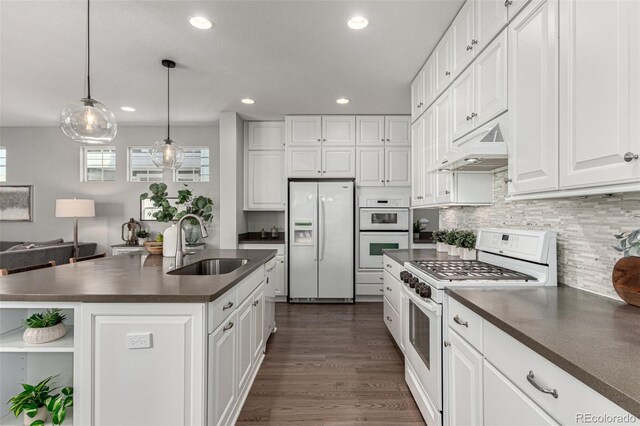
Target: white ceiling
{"type": "Point", "coordinates": [290, 56]}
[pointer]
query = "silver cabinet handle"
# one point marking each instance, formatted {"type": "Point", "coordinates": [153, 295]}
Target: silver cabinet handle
{"type": "Point", "coordinates": [383, 138]}
{"type": "Point", "coordinates": [318, 171]}
{"type": "Point", "coordinates": [389, 289]}
{"type": "Point", "coordinates": [447, 73]}
{"type": "Point", "coordinates": [531, 378]}
{"type": "Point", "coordinates": [459, 321]}
{"type": "Point", "coordinates": [389, 319]}
{"type": "Point", "coordinates": [630, 156]}
{"type": "Point", "coordinates": [508, 3]}
{"type": "Point", "coordinates": [382, 290]}
{"type": "Point", "coordinates": [507, 180]}
{"type": "Point", "coordinates": [447, 192]}
{"type": "Point", "coordinates": [324, 140]}
{"type": "Point", "coordinates": [445, 161]}
{"type": "Point", "coordinates": [473, 114]}
{"type": "Point", "coordinates": [256, 302]}
{"type": "Point", "coordinates": [446, 344]}
{"type": "Point", "coordinates": [469, 47]}
{"type": "Point", "coordinates": [474, 41]}
{"type": "Point", "coordinates": [319, 140]}
{"type": "Point", "coordinates": [382, 181]}
{"type": "Point", "coordinates": [388, 265]}
{"type": "Point", "coordinates": [228, 326]}
{"type": "Point", "coordinates": [468, 118]}
{"type": "Point", "coordinates": [267, 280]}
{"type": "Point", "coordinates": [382, 278]}
{"type": "Point", "coordinates": [229, 305]}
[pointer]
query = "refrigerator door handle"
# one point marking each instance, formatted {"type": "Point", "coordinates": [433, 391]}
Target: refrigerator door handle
{"type": "Point", "coordinates": [322, 229]}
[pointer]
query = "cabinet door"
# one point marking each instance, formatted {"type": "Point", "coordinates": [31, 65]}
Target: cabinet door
{"type": "Point", "coordinates": [258, 323]}
{"type": "Point", "coordinates": [533, 98]}
{"type": "Point", "coordinates": [370, 166]}
{"type": "Point", "coordinates": [245, 343]}
{"type": "Point", "coordinates": [428, 82]}
{"type": "Point", "coordinates": [442, 142]}
{"type": "Point", "coordinates": [417, 158]}
{"type": "Point", "coordinates": [442, 58]}
{"type": "Point", "coordinates": [266, 183]}
{"type": "Point", "coordinates": [461, 36]}
{"type": "Point", "coordinates": [599, 93]}
{"type": "Point", "coordinates": [338, 162]}
{"type": "Point", "coordinates": [397, 130]}
{"type": "Point", "coordinates": [304, 130]}
{"type": "Point", "coordinates": [505, 405]}
{"type": "Point", "coordinates": [491, 17]}
{"type": "Point", "coordinates": [416, 97]}
{"type": "Point", "coordinates": [514, 7]}
{"type": "Point", "coordinates": [280, 286]}
{"type": "Point", "coordinates": [304, 162]}
{"type": "Point", "coordinates": [465, 382]}
{"type": "Point", "coordinates": [490, 81]}
{"type": "Point", "coordinates": [397, 166]}
{"type": "Point", "coordinates": [370, 130]}
{"type": "Point", "coordinates": [222, 371]}
{"type": "Point", "coordinates": [338, 130]}
{"type": "Point", "coordinates": [428, 157]}
{"type": "Point", "coordinates": [462, 104]}
{"type": "Point", "coordinates": [265, 135]}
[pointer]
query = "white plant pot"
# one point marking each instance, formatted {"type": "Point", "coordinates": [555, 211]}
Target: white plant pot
{"type": "Point", "coordinates": [40, 415]}
{"type": "Point", "coordinates": [454, 251]}
{"type": "Point", "coordinates": [44, 335]}
{"type": "Point", "coordinates": [468, 254]}
{"type": "Point", "coordinates": [442, 247]}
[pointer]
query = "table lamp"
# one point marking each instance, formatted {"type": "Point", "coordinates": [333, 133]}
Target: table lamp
{"type": "Point", "coordinates": [75, 208]}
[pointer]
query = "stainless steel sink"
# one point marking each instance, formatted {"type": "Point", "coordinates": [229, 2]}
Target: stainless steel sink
{"type": "Point", "coordinates": [210, 267]}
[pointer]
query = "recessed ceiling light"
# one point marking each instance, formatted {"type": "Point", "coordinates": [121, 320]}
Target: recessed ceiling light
{"type": "Point", "coordinates": [342, 101]}
{"type": "Point", "coordinates": [127, 108]}
{"type": "Point", "coordinates": [200, 22]}
{"type": "Point", "coordinates": [248, 101]}
{"type": "Point", "coordinates": [358, 22]}
{"type": "Point", "coordinates": [471, 160]}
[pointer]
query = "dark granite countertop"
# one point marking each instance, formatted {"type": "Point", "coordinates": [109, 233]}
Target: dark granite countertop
{"type": "Point", "coordinates": [254, 238]}
{"type": "Point", "coordinates": [593, 338]}
{"type": "Point", "coordinates": [135, 277]}
{"type": "Point", "coordinates": [407, 255]}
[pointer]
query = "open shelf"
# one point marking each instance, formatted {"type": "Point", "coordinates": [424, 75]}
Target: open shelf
{"type": "Point", "coordinates": [11, 420]}
{"type": "Point", "coordinates": [11, 341]}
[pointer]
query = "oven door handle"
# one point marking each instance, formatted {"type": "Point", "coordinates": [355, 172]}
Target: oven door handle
{"type": "Point", "coordinates": [429, 304]}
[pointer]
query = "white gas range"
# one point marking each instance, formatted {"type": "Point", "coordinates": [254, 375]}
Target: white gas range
{"type": "Point", "coordinates": [506, 258]}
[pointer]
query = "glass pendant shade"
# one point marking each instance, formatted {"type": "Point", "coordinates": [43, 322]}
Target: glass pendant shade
{"type": "Point", "coordinates": [88, 122]}
{"type": "Point", "coordinates": [167, 154]}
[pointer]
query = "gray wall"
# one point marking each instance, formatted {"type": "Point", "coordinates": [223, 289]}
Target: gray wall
{"type": "Point", "coordinates": [585, 227]}
{"type": "Point", "coordinates": [45, 158]}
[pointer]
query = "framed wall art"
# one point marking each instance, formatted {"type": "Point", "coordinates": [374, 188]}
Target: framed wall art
{"type": "Point", "coordinates": [16, 203]}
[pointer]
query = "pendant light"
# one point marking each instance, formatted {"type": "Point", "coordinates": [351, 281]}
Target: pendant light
{"type": "Point", "coordinates": [166, 153]}
{"type": "Point", "coordinates": [88, 121]}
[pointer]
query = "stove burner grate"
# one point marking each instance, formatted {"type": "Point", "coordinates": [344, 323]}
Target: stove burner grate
{"type": "Point", "coordinates": [467, 270]}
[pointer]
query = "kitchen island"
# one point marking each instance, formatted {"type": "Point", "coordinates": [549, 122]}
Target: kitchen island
{"type": "Point", "coordinates": [147, 343]}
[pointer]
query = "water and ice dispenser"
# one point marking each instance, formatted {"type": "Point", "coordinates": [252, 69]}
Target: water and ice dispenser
{"type": "Point", "coordinates": [303, 232]}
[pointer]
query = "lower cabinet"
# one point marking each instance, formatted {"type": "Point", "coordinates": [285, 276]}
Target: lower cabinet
{"type": "Point", "coordinates": [223, 371]}
{"type": "Point", "coordinates": [257, 316]}
{"type": "Point", "coordinates": [280, 285]}
{"type": "Point", "coordinates": [465, 382]}
{"type": "Point", "coordinates": [245, 343]}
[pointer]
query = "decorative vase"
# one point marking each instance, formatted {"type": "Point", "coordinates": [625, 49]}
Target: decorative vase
{"type": "Point", "coordinates": [44, 335]}
{"type": "Point", "coordinates": [191, 232]}
{"type": "Point", "coordinates": [442, 247]}
{"type": "Point", "coordinates": [454, 251]}
{"type": "Point", "coordinates": [41, 414]}
{"type": "Point", "coordinates": [170, 241]}
{"type": "Point", "coordinates": [626, 279]}
{"type": "Point", "coordinates": [468, 254]}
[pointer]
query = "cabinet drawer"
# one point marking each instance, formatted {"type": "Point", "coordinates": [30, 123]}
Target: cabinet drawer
{"type": "Point", "coordinates": [392, 320]}
{"type": "Point", "coordinates": [250, 283]}
{"type": "Point", "coordinates": [517, 362]}
{"type": "Point", "coordinates": [391, 266]}
{"type": "Point", "coordinates": [392, 290]}
{"type": "Point", "coordinates": [220, 309]}
{"type": "Point", "coordinates": [467, 323]}
{"type": "Point", "coordinates": [370, 289]}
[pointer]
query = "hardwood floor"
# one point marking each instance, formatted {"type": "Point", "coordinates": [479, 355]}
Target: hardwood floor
{"type": "Point", "coordinates": [331, 365]}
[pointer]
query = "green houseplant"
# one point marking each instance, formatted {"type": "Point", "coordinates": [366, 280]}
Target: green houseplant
{"type": "Point", "coordinates": [417, 227]}
{"type": "Point", "coordinates": [36, 400]}
{"type": "Point", "coordinates": [628, 243]}
{"type": "Point", "coordinates": [440, 238]}
{"type": "Point", "coordinates": [142, 235]}
{"type": "Point", "coordinates": [466, 241]}
{"type": "Point", "coordinates": [44, 327]}
{"type": "Point", "coordinates": [451, 238]}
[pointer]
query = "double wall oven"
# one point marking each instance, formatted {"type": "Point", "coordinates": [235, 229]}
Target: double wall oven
{"type": "Point", "coordinates": [384, 224]}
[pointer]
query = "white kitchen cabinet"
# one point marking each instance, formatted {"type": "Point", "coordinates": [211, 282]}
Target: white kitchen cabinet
{"type": "Point", "coordinates": [370, 165]}
{"type": "Point", "coordinates": [269, 323]}
{"type": "Point", "coordinates": [257, 316]}
{"type": "Point", "coordinates": [417, 100]}
{"type": "Point", "coordinates": [533, 98]}
{"type": "Point", "coordinates": [370, 130]}
{"type": "Point", "coordinates": [462, 115]}
{"type": "Point", "coordinates": [491, 16]}
{"type": "Point", "coordinates": [222, 372]}
{"type": "Point", "coordinates": [265, 135]}
{"type": "Point", "coordinates": [417, 161]}
{"type": "Point", "coordinates": [304, 162]}
{"type": "Point", "coordinates": [338, 130]}
{"type": "Point", "coordinates": [490, 81]}
{"type": "Point", "coordinates": [464, 376]}
{"type": "Point", "coordinates": [303, 130]}
{"type": "Point", "coordinates": [462, 36]}
{"type": "Point", "coordinates": [397, 129]}
{"type": "Point", "coordinates": [599, 93]}
{"type": "Point", "coordinates": [442, 63]}
{"type": "Point", "coordinates": [428, 83]}
{"type": "Point", "coordinates": [505, 405]}
{"type": "Point", "coordinates": [442, 143]}
{"type": "Point", "coordinates": [338, 162]}
{"type": "Point", "coordinates": [397, 166]}
{"type": "Point", "coordinates": [245, 343]}
{"type": "Point", "coordinates": [514, 7]}
{"type": "Point", "coordinates": [265, 184]}
{"type": "Point", "coordinates": [280, 276]}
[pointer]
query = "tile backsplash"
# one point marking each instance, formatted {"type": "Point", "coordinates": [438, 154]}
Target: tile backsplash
{"type": "Point", "coordinates": [585, 228]}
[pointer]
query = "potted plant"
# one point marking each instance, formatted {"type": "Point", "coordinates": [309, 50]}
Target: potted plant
{"type": "Point", "coordinates": [142, 235]}
{"type": "Point", "coordinates": [440, 237]}
{"type": "Point", "coordinates": [35, 401]}
{"type": "Point", "coordinates": [44, 327]}
{"type": "Point", "coordinates": [417, 227]}
{"type": "Point", "coordinates": [450, 239]}
{"type": "Point", "coordinates": [467, 243]}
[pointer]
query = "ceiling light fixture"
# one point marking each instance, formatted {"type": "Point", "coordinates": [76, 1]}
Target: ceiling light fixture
{"type": "Point", "coordinates": [342, 101]}
{"type": "Point", "coordinates": [358, 22]}
{"type": "Point", "coordinates": [127, 108]}
{"type": "Point", "coordinates": [471, 160]}
{"type": "Point", "coordinates": [200, 22]}
{"type": "Point", "coordinates": [166, 153]}
{"type": "Point", "coordinates": [88, 121]}
{"type": "Point", "coordinates": [248, 101]}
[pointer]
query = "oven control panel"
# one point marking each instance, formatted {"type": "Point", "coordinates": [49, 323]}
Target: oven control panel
{"type": "Point", "coordinates": [521, 244]}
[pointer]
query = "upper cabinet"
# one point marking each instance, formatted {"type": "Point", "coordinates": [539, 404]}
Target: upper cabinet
{"type": "Point", "coordinates": [462, 40]}
{"type": "Point", "coordinates": [265, 135]}
{"type": "Point", "coordinates": [338, 130]}
{"type": "Point", "coordinates": [370, 130]}
{"type": "Point", "coordinates": [316, 130]}
{"type": "Point", "coordinates": [417, 100]}
{"type": "Point", "coordinates": [491, 16]}
{"type": "Point", "coordinates": [442, 63]}
{"type": "Point", "coordinates": [397, 130]}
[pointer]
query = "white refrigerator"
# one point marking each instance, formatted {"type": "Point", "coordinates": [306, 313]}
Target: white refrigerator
{"type": "Point", "coordinates": [321, 241]}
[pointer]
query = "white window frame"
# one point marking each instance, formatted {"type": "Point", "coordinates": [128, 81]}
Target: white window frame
{"type": "Point", "coordinates": [200, 148]}
{"type": "Point", "coordinates": [84, 177]}
{"type": "Point", "coordinates": [4, 148]}
{"type": "Point", "coordinates": [153, 167]}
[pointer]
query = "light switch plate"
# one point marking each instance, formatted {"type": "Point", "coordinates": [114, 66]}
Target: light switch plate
{"type": "Point", "coordinates": [139, 340]}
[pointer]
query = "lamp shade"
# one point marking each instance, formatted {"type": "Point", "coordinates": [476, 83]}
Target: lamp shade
{"type": "Point", "coordinates": [75, 208]}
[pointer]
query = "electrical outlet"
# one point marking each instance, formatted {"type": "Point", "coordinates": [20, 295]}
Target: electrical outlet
{"type": "Point", "coordinates": [139, 340]}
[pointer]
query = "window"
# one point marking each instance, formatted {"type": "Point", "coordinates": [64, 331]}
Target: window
{"type": "Point", "coordinates": [195, 167]}
{"type": "Point", "coordinates": [98, 164]}
{"type": "Point", "coordinates": [3, 164]}
{"type": "Point", "coordinates": [141, 168]}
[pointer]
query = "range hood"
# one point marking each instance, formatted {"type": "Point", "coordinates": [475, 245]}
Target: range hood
{"type": "Point", "coordinates": [483, 150]}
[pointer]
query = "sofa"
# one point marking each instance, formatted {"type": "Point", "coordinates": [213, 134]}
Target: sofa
{"type": "Point", "coordinates": [14, 254]}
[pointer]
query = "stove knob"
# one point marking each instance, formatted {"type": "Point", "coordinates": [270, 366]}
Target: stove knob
{"type": "Point", "coordinates": [418, 287]}
{"type": "Point", "coordinates": [402, 275]}
{"type": "Point", "coordinates": [425, 292]}
{"type": "Point", "coordinates": [412, 282]}
{"type": "Point", "coordinates": [407, 277]}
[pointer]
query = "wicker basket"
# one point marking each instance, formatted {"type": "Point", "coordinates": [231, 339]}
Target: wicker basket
{"type": "Point", "coordinates": [153, 247]}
